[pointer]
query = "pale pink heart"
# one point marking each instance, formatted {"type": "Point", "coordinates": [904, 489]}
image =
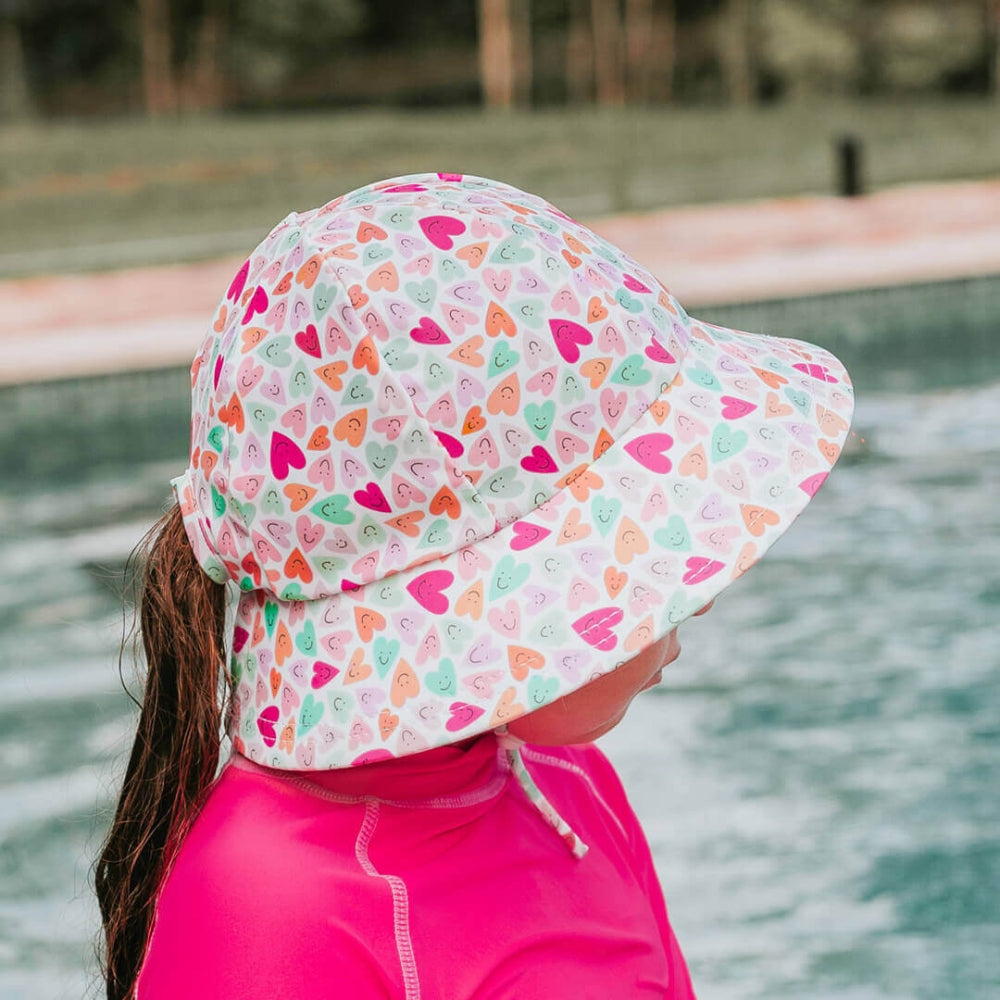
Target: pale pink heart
{"type": "Point", "coordinates": [611, 339]}
{"type": "Point", "coordinates": [506, 619]}
{"type": "Point", "coordinates": [690, 428]}
{"type": "Point", "coordinates": [484, 451]}
{"type": "Point", "coordinates": [396, 555]}
{"type": "Point", "coordinates": [713, 509]}
{"type": "Point", "coordinates": [366, 566]}
{"type": "Point", "coordinates": [481, 684]}
{"type": "Point", "coordinates": [405, 492]}
{"type": "Point", "coordinates": [467, 292]}
{"type": "Point", "coordinates": [498, 282]}
{"type": "Point", "coordinates": [568, 445]}
{"type": "Point", "coordinates": [483, 652]}
{"type": "Point", "coordinates": [305, 754]}
{"type": "Point", "coordinates": [351, 471]}
{"type": "Point", "coordinates": [309, 533]}
{"type": "Point", "coordinates": [226, 543]}
{"type": "Point", "coordinates": [538, 598]}
{"type": "Point", "coordinates": [733, 480]}
{"type": "Point", "coordinates": [289, 699]}
{"type": "Point", "coordinates": [400, 313]}
{"type": "Point", "coordinates": [263, 694]}
{"type": "Point", "coordinates": [613, 405]}
{"type": "Point", "coordinates": [370, 699]}
{"type": "Point", "coordinates": [549, 511]}
{"type": "Point", "coordinates": [430, 647]}
{"type": "Point", "coordinates": [253, 455]}
{"type": "Point", "coordinates": [530, 283]}
{"type": "Point", "coordinates": [322, 409]}
{"type": "Point", "coordinates": [655, 505]}
{"type": "Point", "coordinates": [642, 598]}
{"type": "Point", "coordinates": [719, 539]}
{"type": "Point", "coordinates": [580, 418]}
{"type": "Point", "coordinates": [360, 734]}
{"type": "Point", "coordinates": [424, 470]}
{"type": "Point", "coordinates": [248, 375]}
{"type": "Point", "coordinates": [469, 388]}
{"type": "Point", "coordinates": [295, 418]}
{"type": "Point", "coordinates": [408, 625]}
{"type": "Point", "coordinates": [581, 592]}
{"type": "Point", "coordinates": [275, 318]}
{"type": "Point", "coordinates": [335, 644]}
{"type": "Point", "coordinates": [472, 561]}
{"type": "Point", "coordinates": [375, 325]}
{"type": "Point", "coordinates": [806, 433]}
{"type": "Point", "coordinates": [594, 559]}
{"type": "Point", "coordinates": [761, 462]}
{"type": "Point", "coordinates": [338, 541]}
{"type": "Point", "coordinates": [543, 381]}
{"type": "Point", "coordinates": [458, 317]}
{"type": "Point", "coordinates": [565, 301]}
{"type": "Point", "coordinates": [249, 486]}
{"type": "Point", "coordinates": [422, 265]}
{"type": "Point", "coordinates": [321, 472]}
{"type": "Point", "coordinates": [274, 390]}
{"type": "Point", "coordinates": [442, 411]}
{"type": "Point", "coordinates": [391, 427]}
{"type": "Point", "coordinates": [800, 460]}
{"type": "Point", "coordinates": [263, 548]}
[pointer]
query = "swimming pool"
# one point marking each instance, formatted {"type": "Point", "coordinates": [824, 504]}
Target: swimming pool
{"type": "Point", "coordinates": [817, 774]}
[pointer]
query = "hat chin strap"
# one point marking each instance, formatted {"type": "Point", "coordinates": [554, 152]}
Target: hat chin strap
{"type": "Point", "coordinates": [511, 745]}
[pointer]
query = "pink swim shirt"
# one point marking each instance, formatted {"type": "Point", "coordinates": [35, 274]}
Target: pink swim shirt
{"type": "Point", "coordinates": [430, 877]}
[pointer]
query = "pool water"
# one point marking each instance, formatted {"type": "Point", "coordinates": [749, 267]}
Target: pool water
{"type": "Point", "coordinates": [819, 773]}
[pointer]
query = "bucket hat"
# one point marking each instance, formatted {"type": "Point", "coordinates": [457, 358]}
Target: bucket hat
{"type": "Point", "coordinates": [460, 456]}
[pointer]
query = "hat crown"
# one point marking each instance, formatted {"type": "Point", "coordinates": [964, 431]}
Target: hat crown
{"type": "Point", "coordinates": [408, 369]}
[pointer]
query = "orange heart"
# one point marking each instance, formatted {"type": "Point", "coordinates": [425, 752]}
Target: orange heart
{"type": "Point", "coordinates": [603, 443]}
{"type": "Point", "coordinates": [572, 259]}
{"type": "Point", "coordinates": [283, 286]}
{"type": "Point", "coordinates": [468, 352]}
{"type": "Point", "coordinates": [580, 481]}
{"type": "Point", "coordinates": [471, 602]}
{"type": "Point", "coordinates": [319, 441]}
{"type": "Point", "coordinates": [258, 630]}
{"type": "Point", "coordinates": [498, 320]}
{"type": "Point", "coordinates": [595, 311]}
{"type": "Point", "coordinates": [830, 450]}
{"type": "Point", "coordinates": [445, 502]}
{"type": "Point", "coordinates": [385, 276]}
{"type": "Point", "coordinates": [506, 397]}
{"type": "Point", "coordinates": [251, 337]}
{"type": "Point", "coordinates": [474, 253]}
{"type": "Point", "coordinates": [404, 684]}
{"type": "Point", "coordinates": [299, 494]}
{"type": "Point", "coordinates": [282, 644]}
{"type": "Point", "coordinates": [365, 355]}
{"type": "Point", "coordinates": [220, 322]}
{"type": "Point", "coordinates": [407, 523]}
{"type": "Point", "coordinates": [387, 723]}
{"type": "Point", "coordinates": [641, 636]}
{"type": "Point", "coordinates": [331, 373]}
{"type": "Point", "coordinates": [830, 422]}
{"type": "Point", "coordinates": [744, 560]}
{"type": "Point", "coordinates": [522, 659]}
{"type": "Point", "coordinates": [474, 421]}
{"type": "Point", "coordinates": [660, 410]}
{"type": "Point", "coordinates": [275, 680]}
{"type": "Point", "coordinates": [351, 427]}
{"type": "Point", "coordinates": [614, 580]}
{"type": "Point", "coordinates": [572, 530]}
{"type": "Point", "coordinates": [368, 231]}
{"type": "Point", "coordinates": [630, 541]}
{"type": "Point", "coordinates": [507, 709]}
{"type": "Point", "coordinates": [574, 244]}
{"type": "Point", "coordinates": [694, 463]}
{"type": "Point", "coordinates": [344, 251]}
{"type": "Point", "coordinates": [769, 378]}
{"type": "Point", "coordinates": [232, 413]}
{"type": "Point", "coordinates": [208, 460]}
{"type": "Point", "coordinates": [309, 271]}
{"type": "Point", "coordinates": [297, 567]}
{"type": "Point", "coordinates": [368, 622]}
{"type": "Point", "coordinates": [357, 669]}
{"type": "Point", "coordinates": [758, 518]}
{"type": "Point", "coordinates": [286, 741]}
{"type": "Point", "coordinates": [357, 296]}
{"type": "Point", "coordinates": [773, 407]}
{"type": "Point", "coordinates": [596, 369]}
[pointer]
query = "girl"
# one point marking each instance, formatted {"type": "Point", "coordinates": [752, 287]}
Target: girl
{"type": "Point", "coordinates": [464, 467]}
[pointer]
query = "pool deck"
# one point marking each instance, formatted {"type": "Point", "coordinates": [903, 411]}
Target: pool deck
{"type": "Point", "coordinates": [64, 326]}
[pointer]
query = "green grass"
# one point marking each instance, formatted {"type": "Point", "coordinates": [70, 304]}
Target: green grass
{"type": "Point", "coordinates": [79, 195]}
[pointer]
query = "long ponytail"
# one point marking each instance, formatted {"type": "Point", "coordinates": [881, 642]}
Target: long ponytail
{"type": "Point", "coordinates": [182, 615]}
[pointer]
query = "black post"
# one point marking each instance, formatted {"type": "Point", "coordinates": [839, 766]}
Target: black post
{"type": "Point", "coordinates": [848, 151]}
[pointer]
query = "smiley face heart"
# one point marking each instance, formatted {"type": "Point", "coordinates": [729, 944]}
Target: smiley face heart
{"type": "Point", "coordinates": [285, 453]}
{"type": "Point", "coordinates": [443, 680]}
{"type": "Point", "coordinates": [527, 534]}
{"type": "Point", "coordinates": [440, 229]}
{"type": "Point", "coordinates": [265, 725]}
{"type": "Point", "coordinates": [568, 337]}
{"type": "Point", "coordinates": [428, 332]}
{"type": "Point", "coordinates": [462, 715]}
{"type": "Point", "coordinates": [427, 590]}
{"type": "Point", "coordinates": [700, 568]}
{"type": "Point", "coordinates": [595, 627]}
{"type": "Point", "coordinates": [649, 451]}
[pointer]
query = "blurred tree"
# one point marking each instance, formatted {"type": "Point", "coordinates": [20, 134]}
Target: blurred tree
{"type": "Point", "coordinates": [159, 92]}
{"type": "Point", "coordinates": [992, 10]}
{"type": "Point", "coordinates": [504, 34]}
{"type": "Point", "coordinates": [739, 49]}
{"type": "Point", "coordinates": [609, 52]}
{"type": "Point", "coordinates": [579, 53]}
{"type": "Point", "coordinates": [15, 94]}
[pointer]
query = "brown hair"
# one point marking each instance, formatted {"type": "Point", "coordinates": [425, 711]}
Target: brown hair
{"type": "Point", "coordinates": [181, 617]}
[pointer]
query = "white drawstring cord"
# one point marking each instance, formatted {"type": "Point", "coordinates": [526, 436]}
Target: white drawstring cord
{"type": "Point", "coordinates": [512, 747]}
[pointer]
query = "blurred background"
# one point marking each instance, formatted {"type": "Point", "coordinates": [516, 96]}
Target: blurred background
{"type": "Point", "coordinates": [819, 772]}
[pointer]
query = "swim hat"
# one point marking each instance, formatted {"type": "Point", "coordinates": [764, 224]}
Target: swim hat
{"type": "Point", "coordinates": [461, 456]}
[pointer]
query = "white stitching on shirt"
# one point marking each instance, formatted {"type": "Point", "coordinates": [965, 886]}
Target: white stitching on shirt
{"type": "Point", "coordinates": [400, 902]}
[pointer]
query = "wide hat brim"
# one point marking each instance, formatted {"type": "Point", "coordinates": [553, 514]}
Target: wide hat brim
{"type": "Point", "coordinates": [678, 507]}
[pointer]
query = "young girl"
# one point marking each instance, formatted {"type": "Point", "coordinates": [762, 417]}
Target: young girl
{"type": "Point", "coordinates": [464, 468]}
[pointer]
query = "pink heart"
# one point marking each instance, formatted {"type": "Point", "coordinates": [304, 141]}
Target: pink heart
{"type": "Point", "coordinates": [633, 284]}
{"type": "Point", "coordinates": [265, 724]}
{"type": "Point", "coordinates": [248, 375]}
{"type": "Point", "coordinates": [240, 636]}
{"type": "Point", "coordinates": [527, 534]}
{"type": "Point", "coordinates": [648, 450]}
{"type": "Point", "coordinates": [308, 340]}
{"type": "Point", "coordinates": [285, 452]}
{"type": "Point", "coordinates": [239, 282]}
{"type": "Point", "coordinates": [733, 408]}
{"type": "Point", "coordinates": [506, 619]}
{"type": "Point", "coordinates": [400, 188]}
{"type": "Point", "coordinates": [462, 715]}
{"type": "Point", "coordinates": [811, 484]}
{"type": "Point", "coordinates": [595, 627]}
{"type": "Point", "coordinates": [257, 304]}
{"type": "Point", "coordinates": [700, 568]}
{"type": "Point", "coordinates": [539, 461]}
{"type": "Point", "coordinates": [218, 370]}
{"type": "Point", "coordinates": [657, 352]}
{"type": "Point", "coordinates": [323, 673]}
{"type": "Point", "coordinates": [372, 757]}
{"type": "Point", "coordinates": [816, 371]}
{"type": "Point", "coordinates": [373, 498]}
{"type": "Point", "coordinates": [426, 590]}
{"type": "Point", "coordinates": [452, 445]}
{"type": "Point", "coordinates": [568, 336]}
{"type": "Point", "coordinates": [613, 405]}
{"type": "Point", "coordinates": [439, 229]}
{"type": "Point", "coordinates": [428, 332]}
{"type": "Point", "coordinates": [569, 445]}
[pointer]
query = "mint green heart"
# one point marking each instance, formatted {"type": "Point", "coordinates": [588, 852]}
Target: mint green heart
{"type": "Point", "coordinates": [246, 584]}
{"type": "Point", "coordinates": [520, 229]}
{"type": "Point", "coordinates": [502, 358]}
{"type": "Point", "coordinates": [375, 252]}
{"type": "Point", "coordinates": [449, 270]}
{"type": "Point", "coordinates": [436, 536]}
{"type": "Point", "coordinates": [262, 417]}
{"type": "Point", "coordinates": [386, 653]}
{"type": "Point", "coordinates": [359, 390]}
{"type": "Point", "coordinates": [628, 301]}
{"type": "Point", "coordinates": [505, 482]}
{"type": "Point", "coordinates": [292, 239]}
{"type": "Point", "coordinates": [300, 381]}
{"type": "Point", "coordinates": [215, 437]}
{"type": "Point", "coordinates": [305, 641]}
{"type": "Point", "coordinates": [508, 576]}
{"type": "Point", "coordinates": [398, 218]}
{"type": "Point", "coordinates": [272, 501]}
{"type": "Point", "coordinates": [674, 534]}
{"type": "Point", "coordinates": [422, 292]}
{"type": "Point", "coordinates": [512, 251]}
{"type": "Point", "coordinates": [457, 637]}
{"type": "Point", "coordinates": [323, 297]}
{"type": "Point", "coordinates": [275, 350]}
{"type": "Point", "coordinates": [341, 704]}
{"type": "Point", "coordinates": [571, 390]}
{"type": "Point", "coordinates": [605, 512]}
{"type": "Point", "coordinates": [380, 458]}
{"type": "Point", "coordinates": [235, 672]}
{"type": "Point", "coordinates": [331, 568]}
{"type": "Point", "coordinates": [292, 592]}
{"type": "Point", "coordinates": [435, 373]}
{"type": "Point", "coordinates": [398, 356]}
{"type": "Point", "coordinates": [555, 266]}
{"type": "Point", "coordinates": [549, 225]}
{"type": "Point", "coordinates": [541, 690]}
{"type": "Point", "coordinates": [246, 512]}
{"type": "Point", "coordinates": [218, 502]}
{"type": "Point", "coordinates": [700, 374]}
{"type": "Point", "coordinates": [333, 509]}
{"type": "Point", "coordinates": [270, 617]}
{"type": "Point", "coordinates": [370, 531]}
{"type": "Point", "coordinates": [531, 312]}
{"type": "Point", "coordinates": [603, 250]}
{"type": "Point", "coordinates": [312, 712]}
{"type": "Point", "coordinates": [631, 372]}
{"type": "Point", "coordinates": [799, 398]}
{"type": "Point", "coordinates": [550, 628]}
{"type": "Point", "coordinates": [442, 680]}
{"type": "Point", "coordinates": [726, 442]}
{"type": "Point", "coordinates": [540, 418]}
{"type": "Point", "coordinates": [389, 593]}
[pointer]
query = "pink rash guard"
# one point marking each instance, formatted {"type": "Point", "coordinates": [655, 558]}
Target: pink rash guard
{"type": "Point", "coordinates": [430, 876]}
